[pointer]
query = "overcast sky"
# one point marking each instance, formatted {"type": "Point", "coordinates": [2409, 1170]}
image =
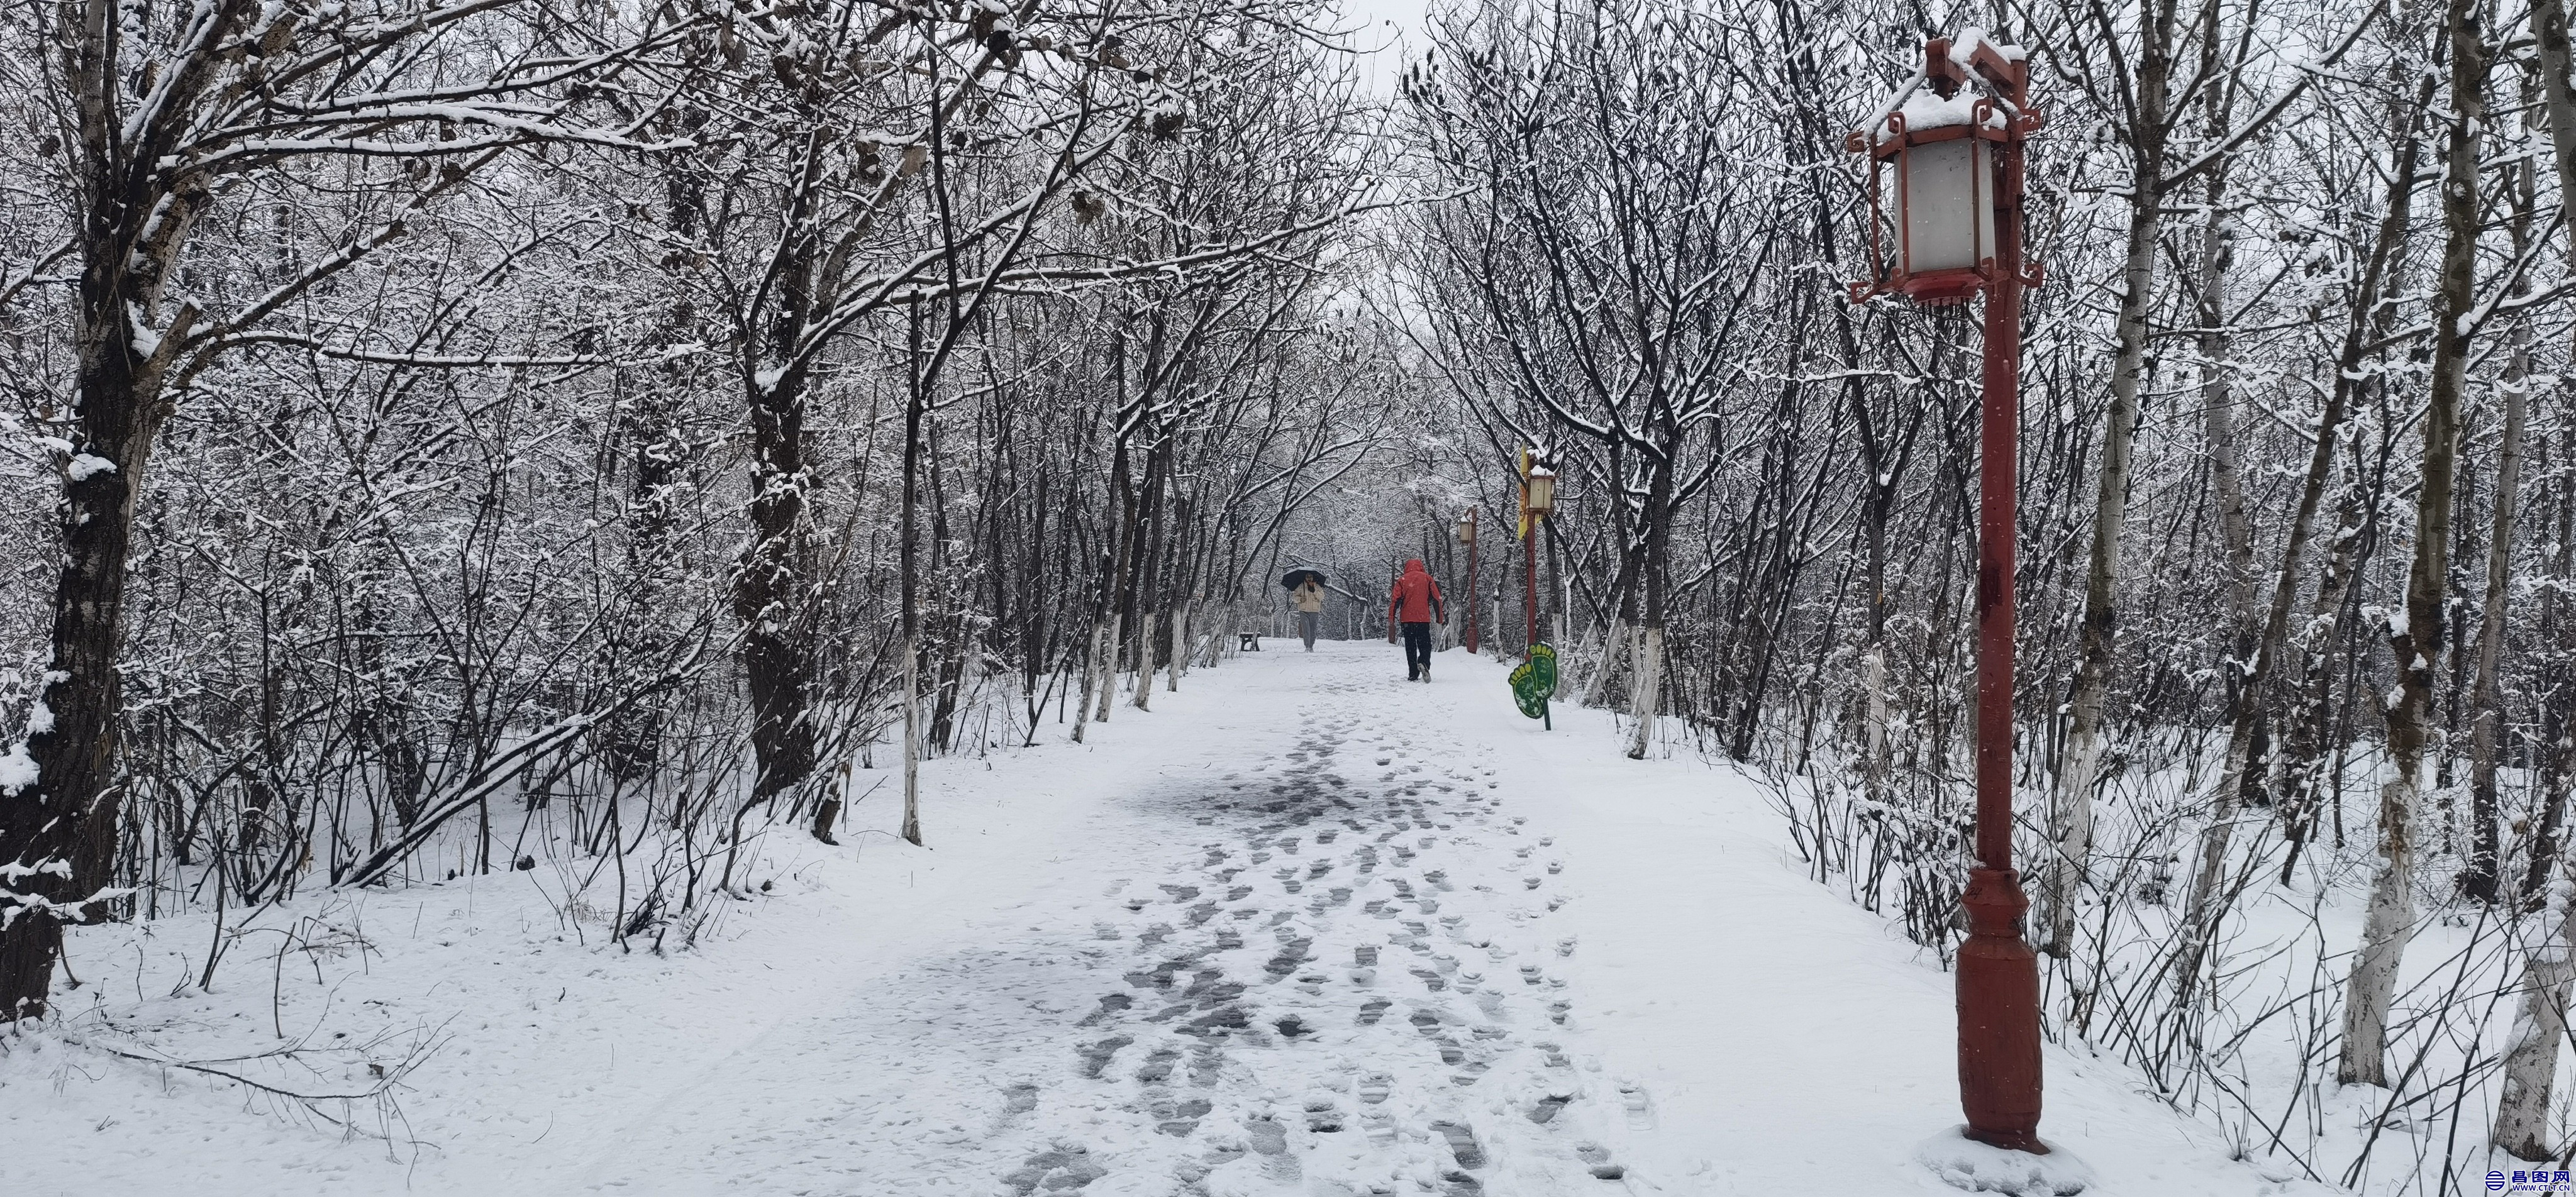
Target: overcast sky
{"type": "Point", "coordinates": [1392, 31]}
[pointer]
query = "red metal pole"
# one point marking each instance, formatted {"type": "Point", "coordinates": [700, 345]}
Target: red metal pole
{"type": "Point", "coordinates": [1998, 974]}
{"type": "Point", "coordinates": [1529, 574]}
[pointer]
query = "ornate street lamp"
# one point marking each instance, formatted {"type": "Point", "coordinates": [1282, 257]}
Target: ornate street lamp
{"type": "Point", "coordinates": [1467, 537]}
{"type": "Point", "coordinates": [1953, 136]}
{"type": "Point", "coordinates": [1538, 498]}
{"type": "Point", "coordinates": [1534, 682]}
{"type": "Point", "coordinates": [1941, 150]}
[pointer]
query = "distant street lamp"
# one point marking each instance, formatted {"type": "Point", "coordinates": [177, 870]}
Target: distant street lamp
{"type": "Point", "coordinates": [1467, 537]}
{"type": "Point", "coordinates": [1538, 498]}
{"type": "Point", "coordinates": [1957, 158]}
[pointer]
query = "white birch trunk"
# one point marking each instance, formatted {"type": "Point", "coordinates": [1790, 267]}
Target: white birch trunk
{"type": "Point", "coordinates": [2097, 641]}
{"type": "Point", "coordinates": [2539, 1027]}
{"type": "Point", "coordinates": [2388, 924]}
{"type": "Point", "coordinates": [2418, 646]}
{"type": "Point", "coordinates": [2070, 843]}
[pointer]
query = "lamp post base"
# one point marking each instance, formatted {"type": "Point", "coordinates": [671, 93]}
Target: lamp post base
{"type": "Point", "coordinates": [2008, 1140]}
{"type": "Point", "coordinates": [1999, 1067]}
{"type": "Point", "coordinates": [1961, 1162]}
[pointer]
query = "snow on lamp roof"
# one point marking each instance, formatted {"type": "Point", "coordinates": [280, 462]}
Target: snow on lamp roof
{"type": "Point", "coordinates": [1923, 108]}
{"type": "Point", "coordinates": [1963, 48]}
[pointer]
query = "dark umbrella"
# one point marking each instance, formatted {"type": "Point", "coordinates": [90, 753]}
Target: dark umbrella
{"type": "Point", "coordinates": [1298, 577]}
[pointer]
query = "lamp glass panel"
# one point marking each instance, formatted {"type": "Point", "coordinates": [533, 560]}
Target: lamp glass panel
{"type": "Point", "coordinates": [1949, 217]}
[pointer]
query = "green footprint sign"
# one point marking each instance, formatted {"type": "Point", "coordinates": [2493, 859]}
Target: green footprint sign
{"type": "Point", "coordinates": [1535, 682]}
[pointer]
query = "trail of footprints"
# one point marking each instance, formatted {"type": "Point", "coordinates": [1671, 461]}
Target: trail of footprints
{"type": "Point", "coordinates": [1317, 942]}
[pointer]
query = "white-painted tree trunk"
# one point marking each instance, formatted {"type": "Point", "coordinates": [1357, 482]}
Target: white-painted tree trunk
{"type": "Point", "coordinates": [1144, 664]}
{"type": "Point", "coordinates": [1108, 666]}
{"type": "Point", "coordinates": [1645, 690]}
{"type": "Point", "coordinates": [1090, 671]}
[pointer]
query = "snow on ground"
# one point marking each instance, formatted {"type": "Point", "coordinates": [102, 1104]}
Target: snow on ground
{"type": "Point", "coordinates": [1303, 929]}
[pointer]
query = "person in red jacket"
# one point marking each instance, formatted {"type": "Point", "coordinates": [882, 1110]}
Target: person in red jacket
{"type": "Point", "coordinates": [1415, 604]}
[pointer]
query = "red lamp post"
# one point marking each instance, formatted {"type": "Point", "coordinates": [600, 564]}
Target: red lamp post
{"type": "Point", "coordinates": [1957, 159]}
{"type": "Point", "coordinates": [1467, 537]}
{"type": "Point", "coordinates": [1538, 498]}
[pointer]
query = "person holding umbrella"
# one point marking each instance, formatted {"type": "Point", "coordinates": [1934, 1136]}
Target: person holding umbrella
{"type": "Point", "coordinates": [1306, 594]}
{"type": "Point", "coordinates": [1415, 603]}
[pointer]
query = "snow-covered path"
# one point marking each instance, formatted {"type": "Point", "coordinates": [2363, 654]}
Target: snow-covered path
{"type": "Point", "coordinates": [1307, 948]}
{"type": "Point", "coordinates": [1304, 928]}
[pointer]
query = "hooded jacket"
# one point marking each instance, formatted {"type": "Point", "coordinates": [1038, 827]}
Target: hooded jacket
{"type": "Point", "coordinates": [1416, 598]}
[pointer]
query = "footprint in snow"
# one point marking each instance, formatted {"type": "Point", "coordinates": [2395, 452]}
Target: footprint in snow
{"type": "Point", "coordinates": [1019, 1099]}
{"type": "Point", "coordinates": [1110, 1004]}
{"type": "Point", "coordinates": [1158, 1066]}
{"type": "Point", "coordinates": [1641, 1112]}
{"type": "Point", "coordinates": [1095, 1056]}
{"type": "Point", "coordinates": [1597, 1158]}
{"type": "Point", "coordinates": [1180, 1117]}
{"type": "Point", "coordinates": [1061, 1167]}
{"type": "Point", "coordinates": [1462, 1143]}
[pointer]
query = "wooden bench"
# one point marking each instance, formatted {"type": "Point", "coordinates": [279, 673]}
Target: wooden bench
{"type": "Point", "coordinates": [1251, 641]}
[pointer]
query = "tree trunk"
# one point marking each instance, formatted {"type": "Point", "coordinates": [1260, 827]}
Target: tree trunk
{"type": "Point", "coordinates": [1090, 665]}
{"type": "Point", "coordinates": [2532, 1047]}
{"type": "Point", "coordinates": [2071, 838]}
{"type": "Point", "coordinates": [1106, 688]}
{"type": "Point", "coordinates": [2418, 647]}
{"type": "Point", "coordinates": [1645, 684]}
{"type": "Point", "coordinates": [769, 583]}
{"type": "Point", "coordinates": [2540, 1022]}
{"type": "Point", "coordinates": [2558, 702]}
{"type": "Point", "coordinates": [2309, 664]}
{"type": "Point", "coordinates": [1142, 695]}
{"type": "Point", "coordinates": [58, 802]}
{"type": "Point", "coordinates": [2254, 642]}
{"type": "Point", "coordinates": [2486, 692]}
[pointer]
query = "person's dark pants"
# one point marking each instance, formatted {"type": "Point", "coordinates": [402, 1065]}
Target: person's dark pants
{"type": "Point", "coordinates": [1417, 650]}
{"type": "Point", "coordinates": [1307, 622]}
